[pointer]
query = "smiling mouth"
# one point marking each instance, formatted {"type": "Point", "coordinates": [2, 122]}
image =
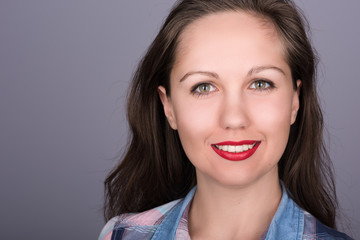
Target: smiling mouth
{"type": "Point", "coordinates": [236, 151]}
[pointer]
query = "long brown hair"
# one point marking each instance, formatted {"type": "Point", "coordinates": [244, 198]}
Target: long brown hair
{"type": "Point", "coordinates": [155, 169]}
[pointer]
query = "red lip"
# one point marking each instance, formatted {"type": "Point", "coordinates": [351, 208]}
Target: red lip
{"type": "Point", "coordinates": [236, 156]}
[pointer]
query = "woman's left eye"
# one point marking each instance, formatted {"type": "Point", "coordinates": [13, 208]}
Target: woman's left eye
{"type": "Point", "coordinates": [261, 85]}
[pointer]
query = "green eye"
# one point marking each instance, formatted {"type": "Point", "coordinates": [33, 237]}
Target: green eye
{"type": "Point", "coordinates": [204, 88]}
{"type": "Point", "coordinates": [261, 85]}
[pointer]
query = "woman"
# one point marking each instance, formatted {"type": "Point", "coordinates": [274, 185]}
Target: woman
{"type": "Point", "coordinates": [226, 131]}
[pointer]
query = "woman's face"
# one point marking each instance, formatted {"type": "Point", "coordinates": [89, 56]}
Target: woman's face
{"type": "Point", "coordinates": [232, 99]}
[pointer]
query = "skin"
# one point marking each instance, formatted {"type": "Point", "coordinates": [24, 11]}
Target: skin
{"type": "Point", "coordinates": [231, 82]}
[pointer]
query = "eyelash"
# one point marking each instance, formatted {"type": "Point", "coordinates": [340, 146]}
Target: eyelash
{"type": "Point", "coordinates": [196, 91]}
{"type": "Point", "coordinates": [270, 85]}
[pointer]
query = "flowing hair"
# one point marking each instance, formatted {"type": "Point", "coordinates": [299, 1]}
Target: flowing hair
{"type": "Point", "coordinates": [155, 169]}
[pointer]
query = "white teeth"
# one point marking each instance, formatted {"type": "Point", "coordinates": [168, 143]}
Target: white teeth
{"type": "Point", "coordinates": [239, 148]}
{"type": "Point", "coordinates": [232, 149]}
{"type": "Point", "coordinates": [235, 149]}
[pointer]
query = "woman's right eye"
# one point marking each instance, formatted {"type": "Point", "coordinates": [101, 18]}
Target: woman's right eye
{"type": "Point", "coordinates": [203, 88]}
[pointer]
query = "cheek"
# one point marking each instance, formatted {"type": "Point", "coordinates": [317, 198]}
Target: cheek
{"type": "Point", "coordinates": [196, 123]}
{"type": "Point", "coordinates": [273, 118]}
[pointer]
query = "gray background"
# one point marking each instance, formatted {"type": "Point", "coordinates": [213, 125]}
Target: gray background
{"type": "Point", "coordinates": [64, 71]}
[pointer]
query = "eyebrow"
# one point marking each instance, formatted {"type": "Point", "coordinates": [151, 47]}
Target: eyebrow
{"type": "Point", "coordinates": [263, 68]}
{"type": "Point", "coordinates": [209, 74]}
{"type": "Point", "coordinates": [252, 71]}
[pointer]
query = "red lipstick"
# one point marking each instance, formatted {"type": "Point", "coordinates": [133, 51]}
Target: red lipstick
{"type": "Point", "coordinates": [236, 156]}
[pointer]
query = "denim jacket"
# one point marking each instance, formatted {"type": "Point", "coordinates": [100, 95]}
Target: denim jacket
{"type": "Point", "coordinates": [170, 222]}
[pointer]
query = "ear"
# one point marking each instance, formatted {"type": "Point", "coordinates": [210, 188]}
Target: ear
{"type": "Point", "coordinates": [168, 108]}
{"type": "Point", "coordinates": [295, 102]}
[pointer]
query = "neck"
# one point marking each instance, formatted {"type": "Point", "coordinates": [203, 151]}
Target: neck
{"type": "Point", "coordinates": [223, 212]}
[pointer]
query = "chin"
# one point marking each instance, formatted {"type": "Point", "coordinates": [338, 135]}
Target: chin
{"type": "Point", "coordinates": [235, 178]}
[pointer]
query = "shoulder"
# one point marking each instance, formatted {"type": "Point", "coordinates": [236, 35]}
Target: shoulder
{"type": "Point", "coordinates": [139, 225]}
{"type": "Point", "coordinates": [108, 228]}
{"type": "Point", "coordinates": [324, 232]}
{"type": "Point", "coordinates": [314, 229]}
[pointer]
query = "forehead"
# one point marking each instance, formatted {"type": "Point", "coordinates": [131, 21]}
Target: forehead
{"type": "Point", "coordinates": [229, 32]}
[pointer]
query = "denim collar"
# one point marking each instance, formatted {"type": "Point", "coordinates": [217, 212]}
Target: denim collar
{"type": "Point", "coordinates": [287, 223]}
{"type": "Point", "coordinates": [167, 229]}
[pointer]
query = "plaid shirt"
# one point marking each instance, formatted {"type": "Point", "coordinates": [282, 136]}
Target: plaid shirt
{"type": "Point", "coordinates": [170, 221]}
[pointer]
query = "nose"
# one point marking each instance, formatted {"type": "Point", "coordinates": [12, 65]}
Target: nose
{"type": "Point", "coordinates": [234, 112]}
